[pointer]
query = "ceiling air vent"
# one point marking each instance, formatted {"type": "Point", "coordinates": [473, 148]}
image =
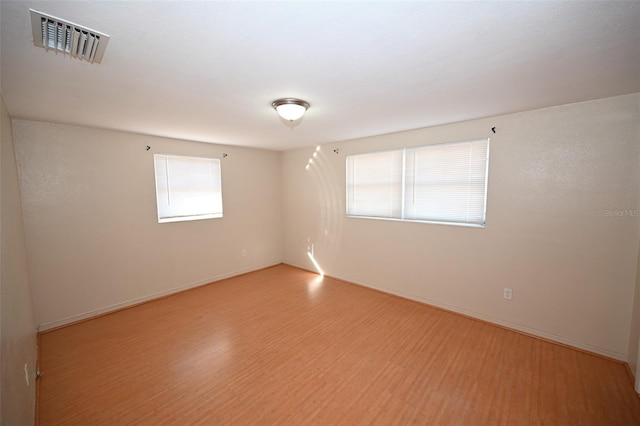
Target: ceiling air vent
{"type": "Point", "coordinates": [62, 36]}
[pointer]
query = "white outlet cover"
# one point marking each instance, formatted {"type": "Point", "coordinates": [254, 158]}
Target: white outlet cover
{"type": "Point", "coordinates": [508, 293]}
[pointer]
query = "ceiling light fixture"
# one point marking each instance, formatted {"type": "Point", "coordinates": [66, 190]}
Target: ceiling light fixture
{"type": "Point", "coordinates": [290, 109]}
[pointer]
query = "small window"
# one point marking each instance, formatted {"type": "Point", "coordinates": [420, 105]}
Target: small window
{"type": "Point", "coordinates": [443, 183]}
{"type": "Point", "coordinates": [187, 188]}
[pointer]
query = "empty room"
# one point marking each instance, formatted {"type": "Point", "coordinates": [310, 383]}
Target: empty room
{"type": "Point", "coordinates": [327, 213]}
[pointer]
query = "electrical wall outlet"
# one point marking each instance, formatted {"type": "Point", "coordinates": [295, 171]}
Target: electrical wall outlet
{"type": "Point", "coordinates": [244, 252]}
{"type": "Point", "coordinates": [507, 293]}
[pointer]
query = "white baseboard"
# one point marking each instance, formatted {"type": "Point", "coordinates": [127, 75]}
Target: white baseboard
{"type": "Point", "coordinates": [514, 326]}
{"type": "Point", "coordinates": [138, 300]}
{"type": "Point", "coordinates": [507, 324]}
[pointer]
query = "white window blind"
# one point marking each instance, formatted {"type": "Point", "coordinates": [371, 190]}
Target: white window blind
{"type": "Point", "coordinates": [434, 183]}
{"type": "Point", "coordinates": [374, 184]}
{"type": "Point", "coordinates": [187, 188]}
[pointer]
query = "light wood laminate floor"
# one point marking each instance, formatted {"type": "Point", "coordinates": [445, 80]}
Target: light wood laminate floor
{"type": "Point", "coordinates": [281, 346]}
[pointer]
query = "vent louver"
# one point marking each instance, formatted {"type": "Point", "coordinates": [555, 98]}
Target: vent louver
{"type": "Point", "coordinates": [62, 36]}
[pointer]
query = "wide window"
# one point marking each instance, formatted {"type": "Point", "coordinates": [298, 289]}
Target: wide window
{"type": "Point", "coordinates": [435, 183]}
{"type": "Point", "coordinates": [187, 188]}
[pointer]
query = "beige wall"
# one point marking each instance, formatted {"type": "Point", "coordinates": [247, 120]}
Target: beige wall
{"type": "Point", "coordinates": [634, 338]}
{"type": "Point", "coordinates": [93, 239]}
{"type": "Point", "coordinates": [17, 326]}
{"type": "Point", "coordinates": [553, 175]}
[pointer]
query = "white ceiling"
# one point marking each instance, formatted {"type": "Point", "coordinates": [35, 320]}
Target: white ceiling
{"type": "Point", "coordinates": [208, 71]}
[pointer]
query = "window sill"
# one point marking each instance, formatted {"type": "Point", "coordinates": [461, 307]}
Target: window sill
{"type": "Point", "coordinates": [432, 222]}
{"type": "Point", "coordinates": [189, 218]}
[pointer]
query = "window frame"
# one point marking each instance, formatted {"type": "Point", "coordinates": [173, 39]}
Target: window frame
{"type": "Point", "coordinates": [217, 190]}
{"type": "Point", "coordinates": [403, 205]}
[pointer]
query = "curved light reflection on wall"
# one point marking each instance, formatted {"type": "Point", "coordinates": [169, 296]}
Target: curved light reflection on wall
{"type": "Point", "coordinates": [320, 167]}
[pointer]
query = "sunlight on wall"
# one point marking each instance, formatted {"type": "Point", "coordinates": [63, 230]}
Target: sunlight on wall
{"type": "Point", "coordinates": [320, 165]}
{"type": "Point", "coordinates": [313, 260]}
{"type": "Point", "coordinates": [314, 155]}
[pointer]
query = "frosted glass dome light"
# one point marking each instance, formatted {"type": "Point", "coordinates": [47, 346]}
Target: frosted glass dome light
{"type": "Point", "coordinates": [290, 109]}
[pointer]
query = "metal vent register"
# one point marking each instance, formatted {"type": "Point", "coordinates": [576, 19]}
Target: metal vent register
{"type": "Point", "coordinates": [62, 36]}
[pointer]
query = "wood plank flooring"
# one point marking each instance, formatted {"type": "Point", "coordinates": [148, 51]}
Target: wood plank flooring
{"type": "Point", "coordinates": [281, 346]}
